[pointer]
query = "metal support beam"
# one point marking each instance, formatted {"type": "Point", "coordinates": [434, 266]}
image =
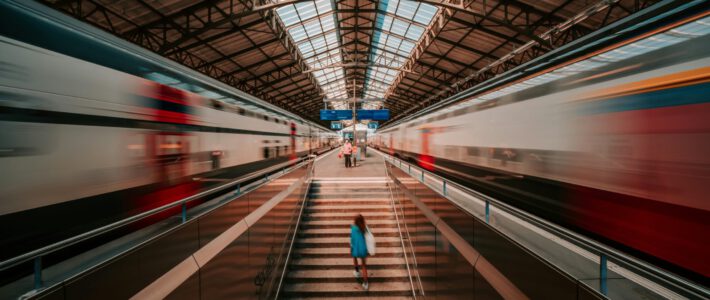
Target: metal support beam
{"type": "Point", "coordinates": [355, 99]}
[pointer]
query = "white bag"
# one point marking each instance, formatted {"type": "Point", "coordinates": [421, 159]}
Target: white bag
{"type": "Point", "coordinates": [370, 241]}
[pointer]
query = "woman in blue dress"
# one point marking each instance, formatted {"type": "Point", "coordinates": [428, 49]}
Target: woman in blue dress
{"type": "Point", "coordinates": [358, 248]}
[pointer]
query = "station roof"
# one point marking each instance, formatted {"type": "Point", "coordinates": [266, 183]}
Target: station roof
{"type": "Point", "coordinates": [403, 54]}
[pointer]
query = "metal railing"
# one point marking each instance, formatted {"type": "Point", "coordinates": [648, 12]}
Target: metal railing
{"type": "Point", "coordinates": [38, 254]}
{"type": "Point", "coordinates": [605, 254]}
{"type": "Point", "coordinates": [311, 172]}
{"type": "Point", "coordinates": [395, 206]}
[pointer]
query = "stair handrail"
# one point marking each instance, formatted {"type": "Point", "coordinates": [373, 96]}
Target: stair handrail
{"type": "Point", "coordinates": [401, 239]}
{"type": "Point", "coordinates": [309, 179]}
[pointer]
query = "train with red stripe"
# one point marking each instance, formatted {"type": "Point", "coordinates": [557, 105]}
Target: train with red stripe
{"type": "Point", "coordinates": [93, 129]}
{"type": "Point", "coordinates": [613, 142]}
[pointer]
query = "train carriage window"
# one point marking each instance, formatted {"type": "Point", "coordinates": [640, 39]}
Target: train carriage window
{"type": "Point", "coordinates": [277, 121]}
{"type": "Point", "coordinates": [472, 151]}
{"type": "Point", "coordinates": [266, 118]}
{"type": "Point", "coordinates": [216, 104]}
{"type": "Point", "coordinates": [241, 111]}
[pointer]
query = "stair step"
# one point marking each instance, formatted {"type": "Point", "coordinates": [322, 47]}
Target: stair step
{"type": "Point", "coordinates": [337, 201]}
{"type": "Point", "coordinates": [339, 289]}
{"type": "Point", "coordinates": [349, 216]}
{"type": "Point", "coordinates": [385, 241]}
{"type": "Point", "coordinates": [345, 230]}
{"type": "Point", "coordinates": [341, 275]}
{"type": "Point", "coordinates": [350, 194]}
{"type": "Point", "coordinates": [353, 298]}
{"type": "Point", "coordinates": [330, 188]}
{"type": "Point", "coordinates": [347, 208]}
{"type": "Point", "coordinates": [342, 252]}
{"type": "Point", "coordinates": [374, 223]}
{"type": "Point", "coordinates": [336, 263]}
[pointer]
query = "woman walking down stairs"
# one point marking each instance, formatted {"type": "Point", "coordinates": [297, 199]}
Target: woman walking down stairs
{"type": "Point", "coordinates": [322, 265]}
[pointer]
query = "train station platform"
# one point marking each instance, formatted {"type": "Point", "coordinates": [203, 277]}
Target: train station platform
{"type": "Point", "coordinates": [286, 236]}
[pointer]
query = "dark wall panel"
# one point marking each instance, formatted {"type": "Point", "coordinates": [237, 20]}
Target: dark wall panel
{"type": "Point", "coordinates": [217, 221]}
{"type": "Point", "coordinates": [482, 289]}
{"type": "Point", "coordinates": [226, 276]}
{"type": "Point", "coordinates": [454, 275]}
{"type": "Point", "coordinates": [521, 267]}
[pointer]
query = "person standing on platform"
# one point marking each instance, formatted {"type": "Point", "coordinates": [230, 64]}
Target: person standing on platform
{"type": "Point", "coordinates": [358, 249]}
{"type": "Point", "coordinates": [347, 151]}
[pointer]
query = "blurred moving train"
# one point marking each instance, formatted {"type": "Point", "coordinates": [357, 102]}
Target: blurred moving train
{"type": "Point", "coordinates": [615, 143]}
{"type": "Point", "coordinates": [93, 128]}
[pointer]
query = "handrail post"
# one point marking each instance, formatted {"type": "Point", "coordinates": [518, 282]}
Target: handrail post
{"type": "Point", "coordinates": [443, 189]}
{"type": "Point", "coordinates": [422, 176]}
{"type": "Point", "coordinates": [38, 272]}
{"type": "Point", "coordinates": [603, 275]}
{"type": "Point", "coordinates": [488, 212]}
{"type": "Point", "coordinates": [239, 188]}
{"type": "Point", "coordinates": [184, 211]}
{"type": "Point", "coordinates": [409, 171]}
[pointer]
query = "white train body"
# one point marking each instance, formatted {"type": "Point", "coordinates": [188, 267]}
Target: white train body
{"type": "Point", "coordinates": [45, 163]}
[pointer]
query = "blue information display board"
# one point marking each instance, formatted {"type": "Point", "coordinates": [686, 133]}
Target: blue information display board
{"type": "Point", "coordinates": [378, 114]}
{"type": "Point", "coordinates": [335, 115]}
{"type": "Point", "coordinates": [336, 125]}
{"type": "Point", "coordinates": [362, 114]}
{"type": "Point", "coordinates": [372, 125]}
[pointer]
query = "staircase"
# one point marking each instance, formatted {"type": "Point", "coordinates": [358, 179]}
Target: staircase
{"type": "Point", "coordinates": [322, 266]}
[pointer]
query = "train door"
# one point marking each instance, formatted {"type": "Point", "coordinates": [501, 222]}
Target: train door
{"type": "Point", "coordinates": [169, 146]}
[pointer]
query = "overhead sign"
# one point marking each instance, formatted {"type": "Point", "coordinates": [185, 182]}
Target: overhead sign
{"type": "Point", "coordinates": [362, 114]}
{"type": "Point", "coordinates": [336, 125]}
{"type": "Point", "coordinates": [372, 125]}
{"type": "Point", "coordinates": [335, 115]}
{"type": "Point", "coordinates": [373, 114]}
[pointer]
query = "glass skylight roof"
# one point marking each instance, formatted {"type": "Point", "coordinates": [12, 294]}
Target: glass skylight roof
{"type": "Point", "coordinates": [312, 26]}
{"type": "Point", "coordinates": [396, 34]}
